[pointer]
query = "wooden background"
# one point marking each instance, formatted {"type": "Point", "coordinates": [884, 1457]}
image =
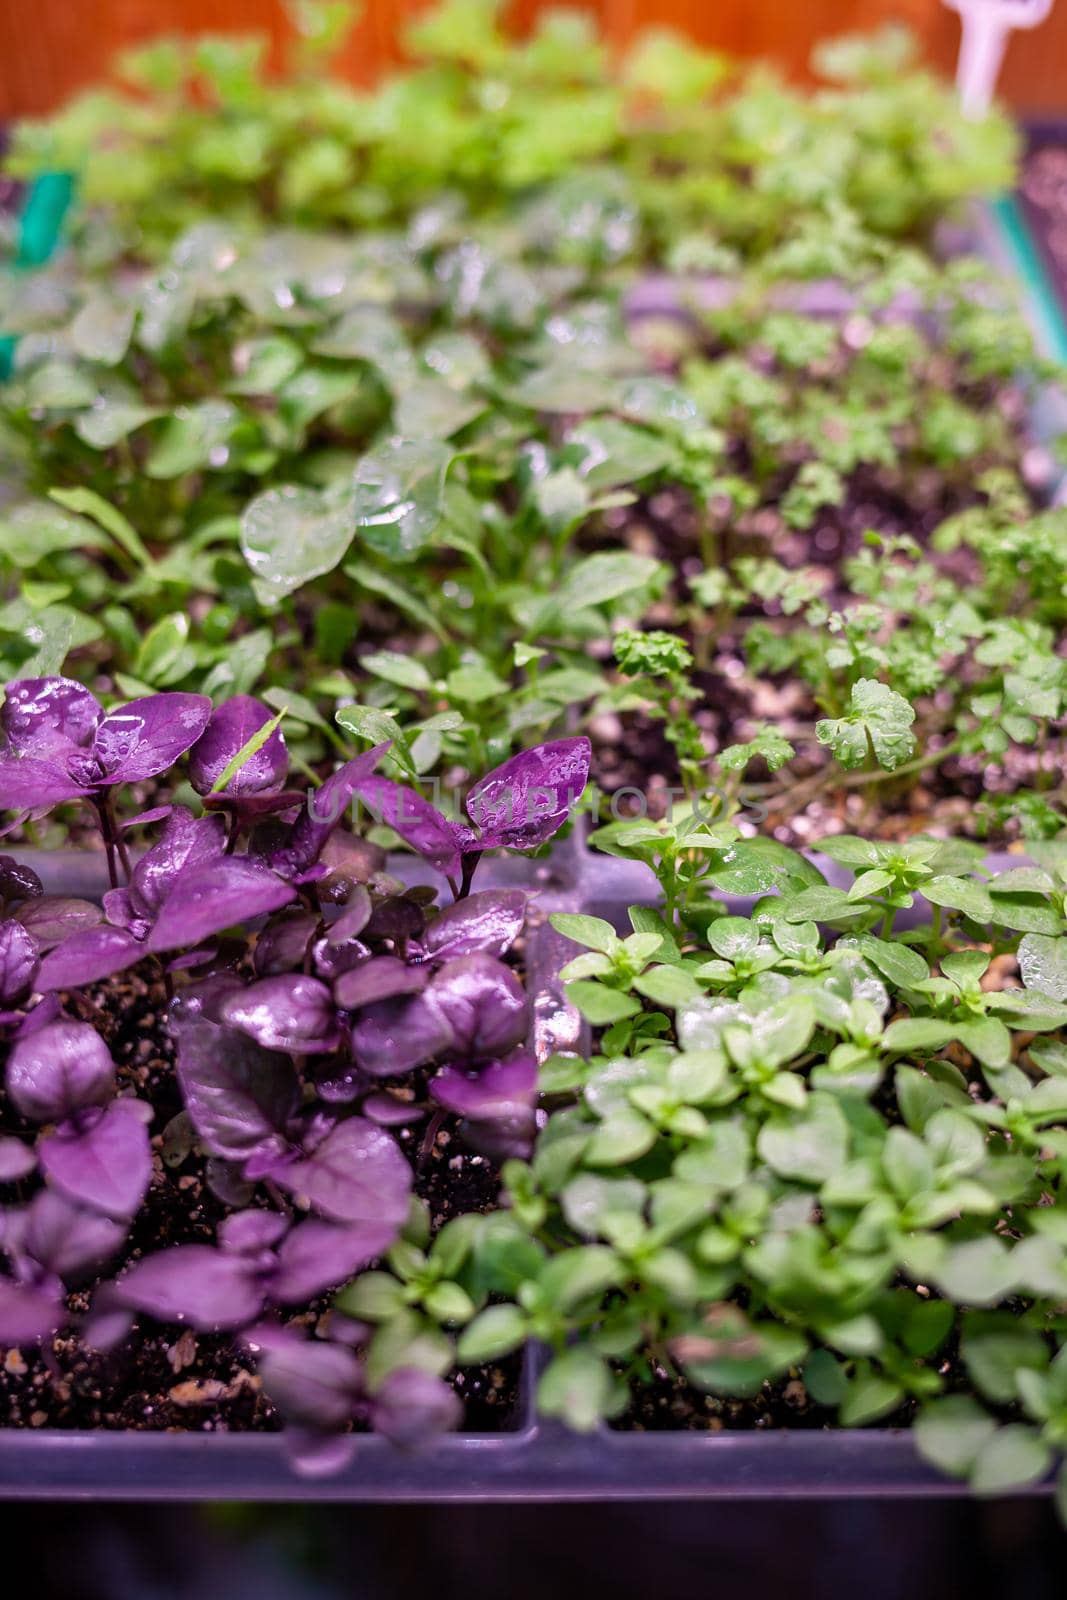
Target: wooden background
{"type": "Point", "coordinates": [48, 48]}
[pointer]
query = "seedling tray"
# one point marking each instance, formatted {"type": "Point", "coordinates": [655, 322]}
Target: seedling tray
{"type": "Point", "coordinates": [530, 1459]}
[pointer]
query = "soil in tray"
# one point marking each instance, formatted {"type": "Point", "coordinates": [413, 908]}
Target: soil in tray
{"type": "Point", "coordinates": [666, 1403]}
{"type": "Point", "coordinates": [630, 751]}
{"type": "Point", "coordinates": [168, 1378]}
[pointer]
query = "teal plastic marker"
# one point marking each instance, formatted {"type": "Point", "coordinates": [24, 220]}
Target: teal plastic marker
{"type": "Point", "coordinates": [40, 224]}
{"type": "Point", "coordinates": [1046, 312]}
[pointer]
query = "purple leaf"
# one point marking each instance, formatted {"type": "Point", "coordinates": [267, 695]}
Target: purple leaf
{"type": "Point", "coordinates": [283, 943]}
{"type": "Point", "coordinates": [214, 897]}
{"type": "Point", "coordinates": [417, 822]}
{"type": "Point", "coordinates": [65, 1238]}
{"type": "Point", "coordinates": [105, 1165]}
{"type": "Point", "coordinates": [353, 919]}
{"type": "Point", "coordinates": [412, 1406]}
{"type": "Point", "coordinates": [349, 861]}
{"type": "Point", "coordinates": [47, 1009]}
{"type": "Point", "coordinates": [53, 918]}
{"type": "Point", "coordinates": [526, 800]}
{"type": "Point", "coordinates": [17, 1160]}
{"type": "Point", "coordinates": [27, 783]}
{"type": "Point", "coordinates": [232, 725]}
{"type": "Point", "coordinates": [195, 1284]}
{"type": "Point", "coordinates": [380, 978]}
{"type": "Point", "coordinates": [202, 1000]}
{"type": "Point", "coordinates": [87, 957]}
{"type": "Point", "coordinates": [291, 1012]}
{"type": "Point", "coordinates": [324, 811]}
{"type": "Point", "coordinates": [144, 738]}
{"type": "Point", "coordinates": [248, 1232]}
{"type": "Point", "coordinates": [105, 1326]}
{"type": "Point", "coordinates": [501, 1090]}
{"type": "Point", "coordinates": [239, 1096]}
{"type": "Point", "coordinates": [399, 918]}
{"type": "Point", "coordinates": [357, 1174]}
{"type": "Point", "coordinates": [497, 1104]}
{"type": "Point", "coordinates": [338, 1081]}
{"type": "Point", "coordinates": [47, 716]}
{"type": "Point", "coordinates": [483, 1003]}
{"type": "Point", "coordinates": [27, 1315]}
{"type": "Point", "coordinates": [385, 1109]}
{"type": "Point", "coordinates": [391, 1037]}
{"type": "Point", "coordinates": [227, 1182]}
{"type": "Point", "coordinates": [17, 882]}
{"type": "Point", "coordinates": [488, 922]}
{"type": "Point", "coordinates": [331, 960]}
{"type": "Point", "coordinates": [59, 1070]}
{"type": "Point", "coordinates": [187, 842]}
{"type": "Point", "coordinates": [319, 1255]}
{"type": "Point", "coordinates": [18, 961]}
{"type": "Point", "coordinates": [143, 818]}
{"type": "Point", "coordinates": [313, 1383]}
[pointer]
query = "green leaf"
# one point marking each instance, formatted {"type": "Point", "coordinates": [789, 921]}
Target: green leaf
{"type": "Point", "coordinates": [1043, 964]}
{"type": "Point", "coordinates": [995, 1349]}
{"type": "Point", "coordinates": [164, 655]}
{"type": "Point", "coordinates": [668, 986]}
{"type": "Point", "coordinates": [241, 757]}
{"type": "Point", "coordinates": [597, 579]}
{"type": "Point", "coordinates": [264, 365]}
{"type": "Point", "coordinates": [811, 1146]}
{"type": "Point", "coordinates": [429, 409]}
{"type": "Point", "coordinates": [591, 932]}
{"type": "Point", "coordinates": [850, 851]}
{"type": "Point", "coordinates": [108, 421]}
{"type": "Point", "coordinates": [290, 535]}
{"type": "Point", "coordinates": [824, 1378]}
{"type": "Point", "coordinates": [878, 720]}
{"type": "Point", "coordinates": [396, 668]}
{"type": "Point", "coordinates": [474, 684]}
{"type": "Point", "coordinates": [495, 1332]}
{"type": "Point", "coordinates": [1011, 1458]}
{"type": "Point", "coordinates": [869, 1397]}
{"type": "Point", "coordinates": [398, 494]}
{"type": "Point", "coordinates": [623, 1136]}
{"type": "Point", "coordinates": [373, 1296]}
{"type": "Point", "coordinates": [950, 1433]}
{"type": "Point", "coordinates": [978, 1273]}
{"type": "Point", "coordinates": [191, 438]}
{"type": "Point", "coordinates": [86, 503]}
{"type": "Point", "coordinates": [613, 452]}
{"type": "Point", "coordinates": [903, 966]}
{"type": "Point", "coordinates": [102, 329]}
{"type": "Point", "coordinates": [599, 1004]}
{"type": "Point", "coordinates": [448, 1303]}
{"type": "Point", "coordinates": [739, 1363]}
{"type": "Point", "coordinates": [907, 1162]}
{"type": "Point", "coordinates": [578, 1387]}
{"type": "Point", "coordinates": [960, 894]}
{"type": "Point", "coordinates": [917, 1033]}
{"type": "Point", "coordinates": [406, 603]}
{"type": "Point", "coordinates": [583, 1273]}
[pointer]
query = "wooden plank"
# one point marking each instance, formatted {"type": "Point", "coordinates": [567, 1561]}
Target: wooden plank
{"type": "Point", "coordinates": [49, 48]}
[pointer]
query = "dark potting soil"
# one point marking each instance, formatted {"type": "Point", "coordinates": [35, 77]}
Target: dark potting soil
{"type": "Point", "coordinates": [664, 1402]}
{"type": "Point", "coordinates": [630, 752]}
{"type": "Point", "coordinates": [167, 1378]}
